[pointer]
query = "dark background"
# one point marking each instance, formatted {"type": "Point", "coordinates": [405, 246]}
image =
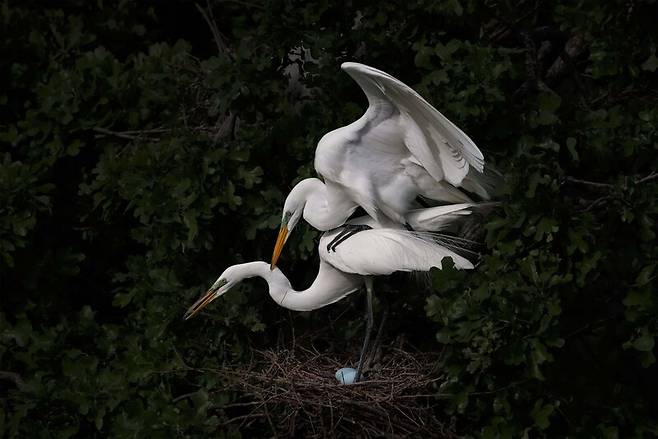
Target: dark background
{"type": "Point", "coordinates": [146, 146]}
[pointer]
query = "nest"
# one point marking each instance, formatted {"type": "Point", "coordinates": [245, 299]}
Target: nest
{"type": "Point", "coordinates": [294, 392]}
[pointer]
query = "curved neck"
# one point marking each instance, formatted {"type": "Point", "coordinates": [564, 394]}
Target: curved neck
{"type": "Point", "coordinates": [322, 211]}
{"type": "Point", "coordinates": [329, 286]}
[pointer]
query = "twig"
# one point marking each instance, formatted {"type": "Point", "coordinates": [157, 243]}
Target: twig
{"type": "Point", "coordinates": [183, 396]}
{"type": "Point", "coordinates": [652, 176]}
{"type": "Point", "coordinates": [649, 177]}
{"type": "Point", "coordinates": [269, 421]}
{"type": "Point", "coordinates": [597, 202]}
{"type": "Point", "coordinates": [207, 15]}
{"type": "Point", "coordinates": [240, 2]}
{"type": "Point", "coordinates": [150, 131]}
{"type": "Point", "coordinates": [241, 404]}
{"type": "Point", "coordinates": [227, 127]}
{"type": "Point", "coordinates": [590, 183]}
{"type": "Point", "coordinates": [509, 386]}
{"type": "Point", "coordinates": [588, 326]}
{"type": "Point", "coordinates": [245, 417]}
{"type": "Point", "coordinates": [130, 135]}
{"type": "Point", "coordinates": [114, 133]}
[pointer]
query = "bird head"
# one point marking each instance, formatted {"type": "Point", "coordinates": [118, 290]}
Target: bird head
{"type": "Point", "coordinates": [224, 283]}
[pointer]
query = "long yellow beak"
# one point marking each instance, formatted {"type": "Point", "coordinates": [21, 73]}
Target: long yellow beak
{"type": "Point", "coordinates": [280, 242]}
{"type": "Point", "coordinates": [200, 304]}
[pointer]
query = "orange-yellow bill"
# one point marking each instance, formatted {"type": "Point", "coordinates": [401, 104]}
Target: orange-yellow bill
{"type": "Point", "coordinates": [200, 304]}
{"type": "Point", "coordinates": [280, 242]}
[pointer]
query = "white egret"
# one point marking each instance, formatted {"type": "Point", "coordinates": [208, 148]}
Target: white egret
{"type": "Point", "coordinates": [401, 148]}
{"type": "Point", "coordinates": [372, 251]}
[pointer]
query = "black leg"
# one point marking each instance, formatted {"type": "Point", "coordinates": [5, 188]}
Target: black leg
{"type": "Point", "coordinates": [378, 338]}
{"type": "Point", "coordinates": [366, 341]}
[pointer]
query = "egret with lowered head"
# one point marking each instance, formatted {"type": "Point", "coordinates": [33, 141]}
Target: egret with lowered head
{"type": "Point", "coordinates": [371, 250]}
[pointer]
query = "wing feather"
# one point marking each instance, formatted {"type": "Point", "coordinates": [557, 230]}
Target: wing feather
{"type": "Point", "coordinates": [384, 251]}
{"type": "Point", "coordinates": [445, 151]}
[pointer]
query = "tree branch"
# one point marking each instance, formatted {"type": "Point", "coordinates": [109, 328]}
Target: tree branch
{"type": "Point", "coordinates": [183, 396]}
{"type": "Point", "coordinates": [131, 134]}
{"type": "Point", "coordinates": [244, 3]}
{"type": "Point", "coordinates": [590, 183]}
{"type": "Point", "coordinates": [652, 176]}
{"type": "Point", "coordinates": [217, 35]}
{"type": "Point", "coordinates": [649, 177]}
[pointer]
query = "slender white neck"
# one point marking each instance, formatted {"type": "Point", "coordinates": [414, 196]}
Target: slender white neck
{"type": "Point", "coordinates": [328, 287]}
{"type": "Point", "coordinates": [319, 212]}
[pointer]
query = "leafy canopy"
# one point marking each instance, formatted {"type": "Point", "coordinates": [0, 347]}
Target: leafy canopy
{"type": "Point", "coordinates": [143, 151]}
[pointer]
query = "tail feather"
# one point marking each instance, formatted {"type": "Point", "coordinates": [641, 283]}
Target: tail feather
{"type": "Point", "coordinates": [485, 184]}
{"type": "Point", "coordinates": [462, 246]}
{"type": "Point", "coordinates": [471, 227]}
{"type": "Point", "coordinates": [444, 192]}
{"type": "Point", "coordinates": [437, 218]}
{"type": "Point", "coordinates": [462, 221]}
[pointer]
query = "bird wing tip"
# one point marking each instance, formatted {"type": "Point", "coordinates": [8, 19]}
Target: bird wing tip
{"type": "Point", "coordinates": [349, 65]}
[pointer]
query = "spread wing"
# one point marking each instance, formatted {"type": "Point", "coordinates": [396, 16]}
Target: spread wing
{"type": "Point", "coordinates": [384, 251]}
{"type": "Point", "coordinates": [444, 150]}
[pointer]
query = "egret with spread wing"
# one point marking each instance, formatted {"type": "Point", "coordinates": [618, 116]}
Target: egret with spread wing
{"type": "Point", "coordinates": [401, 148]}
{"type": "Point", "coordinates": [369, 251]}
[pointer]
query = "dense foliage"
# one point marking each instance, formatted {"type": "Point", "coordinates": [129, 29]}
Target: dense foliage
{"type": "Point", "coordinates": [146, 147]}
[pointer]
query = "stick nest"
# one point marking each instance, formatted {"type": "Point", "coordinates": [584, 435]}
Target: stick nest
{"type": "Point", "coordinates": [294, 392]}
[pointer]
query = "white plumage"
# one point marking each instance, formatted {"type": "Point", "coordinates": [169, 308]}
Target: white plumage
{"type": "Point", "coordinates": [373, 252]}
{"type": "Point", "coordinates": [382, 251]}
{"type": "Point", "coordinates": [401, 148]}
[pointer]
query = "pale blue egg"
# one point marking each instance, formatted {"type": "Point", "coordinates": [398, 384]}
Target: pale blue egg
{"type": "Point", "coordinates": [346, 375]}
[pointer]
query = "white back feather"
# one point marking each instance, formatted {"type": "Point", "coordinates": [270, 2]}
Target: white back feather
{"type": "Point", "coordinates": [384, 251]}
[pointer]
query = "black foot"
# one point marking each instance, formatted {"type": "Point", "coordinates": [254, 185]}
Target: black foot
{"type": "Point", "coordinates": [348, 230]}
{"type": "Point", "coordinates": [339, 236]}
